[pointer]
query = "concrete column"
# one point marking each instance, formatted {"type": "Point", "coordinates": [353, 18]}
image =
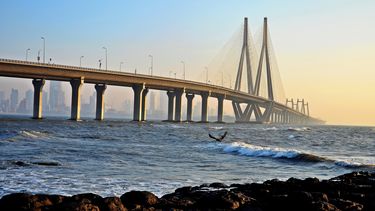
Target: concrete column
{"type": "Point", "coordinates": [204, 117]}
{"type": "Point", "coordinates": [189, 112]}
{"type": "Point", "coordinates": [38, 98]}
{"type": "Point", "coordinates": [76, 85]}
{"type": "Point", "coordinates": [177, 114]}
{"type": "Point", "coordinates": [171, 95]}
{"type": "Point", "coordinates": [144, 96]}
{"type": "Point", "coordinates": [220, 108]}
{"type": "Point", "coordinates": [137, 89]}
{"type": "Point", "coordinates": [100, 89]}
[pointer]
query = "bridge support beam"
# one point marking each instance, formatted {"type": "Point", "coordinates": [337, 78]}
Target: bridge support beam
{"type": "Point", "coordinates": [76, 85]}
{"type": "Point", "coordinates": [38, 98]}
{"type": "Point", "coordinates": [171, 96]}
{"type": "Point", "coordinates": [138, 89]}
{"type": "Point", "coordinates": [189, 109]}
{"type": "Point", "coordinates": [177, 114]}
{"type": "Point", "coordinates": [204, 117]}
{"type": "Point", "coordinates": [100, 89]}
{"type": "Point", "coordinates": [220, 108]}
{"type": "Point", "coordinates": [143, 106]}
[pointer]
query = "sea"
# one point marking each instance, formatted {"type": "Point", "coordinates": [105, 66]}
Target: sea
{"type": "Point", "coordinates": [111, 157]}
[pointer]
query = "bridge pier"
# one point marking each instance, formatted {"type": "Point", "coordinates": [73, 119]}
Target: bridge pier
{"type": "Point", "coordinates": [204, 117]}
{"type": "Point", "coordinates": [220, 108]}
{"type": "Point", "coordinates": [100, 89]}
{"type": "Point", "coordinates": [177, 114]}
{"type": "Point", "coordinates": [76, 85]}
{"type": "Point", "coordinates": [38, 98]}
{"type": "Point", "coordinates": [137, 89]}
{"type": "Point", "coordinates": [171, 96]}
{"type": "Point", "coordinates": [189, 110]}
{"type": "Point", "coordinates": [143, 106]}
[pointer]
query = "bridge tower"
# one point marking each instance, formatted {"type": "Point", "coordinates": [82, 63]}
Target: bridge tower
{"type": "Point", "coordinates": [254, 89]}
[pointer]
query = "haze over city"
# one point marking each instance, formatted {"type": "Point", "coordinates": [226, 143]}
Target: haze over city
{"type": "Point", "coordinates": [324, 49]}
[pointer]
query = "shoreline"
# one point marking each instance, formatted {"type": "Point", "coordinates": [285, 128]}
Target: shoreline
{"type": "Point", "coordinates": [352, 191]}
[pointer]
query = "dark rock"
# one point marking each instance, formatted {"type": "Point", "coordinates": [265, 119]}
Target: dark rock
{"type": "Point", "coordinates": [112, 204]}
{"type": "Point", "coordinates": [324, 206]}
{"type": "Point", "coordinates": [223, 199]}
{"type": "Point", "coordinates": [81, 205]}
{"type": "Point", "coordinates": [143, 198]}
{"type": "Point", "coordinates": [92, 198]}
{"type": "Point", "coordinates": [24, 201]}
{"type": "Point", "coordinates": [218, 185]}
{"type": "Point", "coordinates": [346, 204]}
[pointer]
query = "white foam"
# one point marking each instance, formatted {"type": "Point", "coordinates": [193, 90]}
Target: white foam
{"type": "Point", "coordinates": [259, 151]}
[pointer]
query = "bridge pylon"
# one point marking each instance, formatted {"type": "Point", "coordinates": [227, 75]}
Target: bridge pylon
{"type": "Point", "coordinates": [253, 108]}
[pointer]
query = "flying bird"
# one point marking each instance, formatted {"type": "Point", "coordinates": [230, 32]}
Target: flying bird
{"type": "Point", "coordinates": [219, 139]}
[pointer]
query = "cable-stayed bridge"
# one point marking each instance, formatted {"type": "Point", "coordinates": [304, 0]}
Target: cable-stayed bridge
{"type": "Point", "coordinates": [261, 102]}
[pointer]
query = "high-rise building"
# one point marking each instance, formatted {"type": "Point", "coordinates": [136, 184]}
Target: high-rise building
{"type": "Point", "coordinates": [56, 97]}
{"type": "Point", "coordinates": [13, 100]}
{"type": "Point", "coordinates": [151, 108]}
{"type": "Point", "coordinates": [29, 96]}
{"type": "Point", "coordinates": [2, 96]}
{"type": "Point", "coordinates": [92, 102]}
{"type": "Point", "coordinates": [45, 102]}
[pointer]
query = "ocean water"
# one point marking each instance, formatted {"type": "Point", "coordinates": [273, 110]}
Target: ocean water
{"type": "Point", "coordinates": [58, 156]}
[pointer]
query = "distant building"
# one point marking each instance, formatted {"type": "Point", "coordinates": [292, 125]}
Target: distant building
{"type": "Point", "coordinates": [56, 97]}
{"type": "Point", "coordinates": [13, 100]}
{"type": "Point", "coordinates": [45, 102]}
{"type": "Point", "coordinates": [29, 96]}
{"type": "Point", "coordinates": [151, 108]}
{"type": "Point", "coordinates": [22, 106]}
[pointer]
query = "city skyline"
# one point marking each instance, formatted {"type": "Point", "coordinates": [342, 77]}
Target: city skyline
{"type": "Point", "coordinates": [317, 54]}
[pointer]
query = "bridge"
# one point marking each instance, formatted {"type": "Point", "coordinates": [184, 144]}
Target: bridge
{"type": "Point", "coordinates": [248, 106]}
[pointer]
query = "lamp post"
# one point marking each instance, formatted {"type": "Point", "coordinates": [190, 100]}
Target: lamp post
{"type": "Point", "coordinates": [206, 74]}
{"type": "Point", "coordinates": [27, 53]}
{"type": "Point", "coordinates": [183, 63]}
{"type": "Point", "coordinates": [38, 58]}
{"type": "Point", "coordinates": [152, 64]}
{"type": "Point", "coordinates": [44, 49]}
{"type": "Point", "coordinates": [106, 58]}
{"type": "Point", "coordinates": [121, 63]}
{"type": "Point", "coordinates": [222, 78]}
{"type": "Point", "coordinates": [80, 61]}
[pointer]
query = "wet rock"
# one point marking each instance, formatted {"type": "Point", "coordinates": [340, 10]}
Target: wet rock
{"type": "Point", "coordinates": [112, 204]}
{"type": "Point", "coordinates": [346, 204]}
{"type": "Point", "coordinates": [24, 201]}
{"type": "Point", "coordinates": [218, 185]}
{"type": "Point", "coordinates": [81, 205]}
{"type": "Point", "coordinates": [143, 198]}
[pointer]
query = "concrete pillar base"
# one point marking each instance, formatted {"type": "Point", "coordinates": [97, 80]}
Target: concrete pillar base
{"type": "Point", "coordinates": [100, 89]}
{"type": "Point", "coordinates": [76, 85]}
{"type": "Point", "coordinates": [38, 98]}
{"type": "Point", "coordinates": [137, 112]}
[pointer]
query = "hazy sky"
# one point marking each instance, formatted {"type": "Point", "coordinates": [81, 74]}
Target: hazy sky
{"type": "Point", "coordinates": [325, 49]}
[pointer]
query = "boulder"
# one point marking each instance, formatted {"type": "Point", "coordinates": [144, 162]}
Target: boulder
{"type": "Point", "coordinates": [143, 198]}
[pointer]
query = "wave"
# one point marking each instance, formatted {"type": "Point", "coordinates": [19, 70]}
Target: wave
{"type": "Point", "coordinates": [250, 150]}
{"type": "Point", "coordinates": [299, 129]}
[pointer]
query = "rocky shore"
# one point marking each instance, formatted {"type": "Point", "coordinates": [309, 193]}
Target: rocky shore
{"type": "Point", "coordinates": [353, 191]}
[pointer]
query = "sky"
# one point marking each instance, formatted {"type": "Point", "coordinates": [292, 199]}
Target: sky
{"type": "Point", "coordinates": [325, 49]}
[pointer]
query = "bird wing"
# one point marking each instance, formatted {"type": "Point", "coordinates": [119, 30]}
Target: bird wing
{"type": "Point", "coordinates": [223, 136]}
{"type": "Point", "coordinates": [212, 136]}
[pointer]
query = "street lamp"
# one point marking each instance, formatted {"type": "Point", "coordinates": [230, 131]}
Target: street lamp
{"type": "Point", "coordinates": [222, 78]}
{"type": "Point", "coordinates": [38, 58]}
{"type": "Point", "coordinates": [121, 63]}
{"type": "Point", "coordinates": [106, 58]}
{"type": "Point", "coordinates": [206, 74]}
{"type": "Point", "coordinates": [80, 61]}
{"type": "Point", "coordinates": [27, 52]}
{"type": "Point", "coordinates": [44, 49]}
{"type": "Point", "coordinates": [183, 63]}
{"type": "Point", "coordinates": [152, 64]}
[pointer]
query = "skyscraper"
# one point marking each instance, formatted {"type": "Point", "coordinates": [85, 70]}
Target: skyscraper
{"type": "Point", "coordinates": [29, 96]}
{"type": "Point", "coordinates": [56, 97]}
{"type": "Point", "coordinates": [13, 100]}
